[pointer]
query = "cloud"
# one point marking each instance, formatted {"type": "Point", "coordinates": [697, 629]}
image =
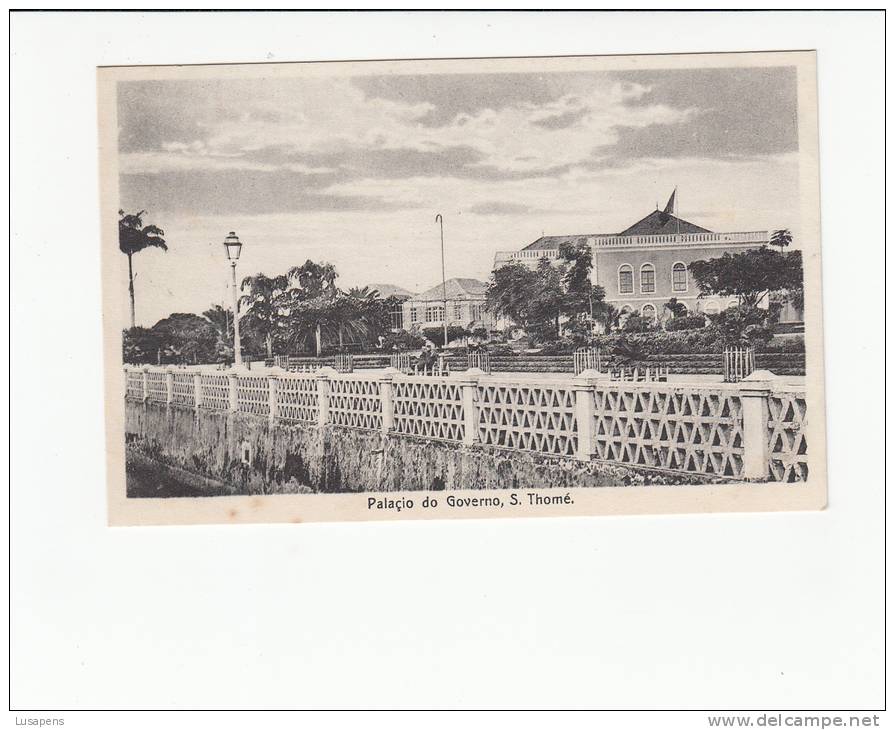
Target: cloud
{"type": "Point", "coordinates": [495, 207]}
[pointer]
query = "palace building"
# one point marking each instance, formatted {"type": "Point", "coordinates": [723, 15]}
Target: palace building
{"type": "Point", "coordinates": [645, 265]}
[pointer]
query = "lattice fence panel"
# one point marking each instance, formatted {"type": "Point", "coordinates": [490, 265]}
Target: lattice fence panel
{"type": "Point", "coordinates": [215, 392]}
{"type": "Point", "coordinates": [529, 417]}
{"type": "Point", "coordinates": [788, 461]}
{"type": "Point", "coordinates": [355, 403]}
{"type": "Point", "coordinates": [297, 399]}
{"type": "Point", "coordinates": [696, 431]}
{"type": "Point", "coordinates": [158, 386]}
{"type": "Point", "coordinates": [134, 387]}
{"type": "Point", "coordinates": [252, 395]}
{"type": "Point", "coordinates": [184, 389]}
{"type": "Point", "coordinates": [431, 409]}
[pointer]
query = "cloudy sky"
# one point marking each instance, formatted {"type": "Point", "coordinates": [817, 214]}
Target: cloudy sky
{"type": "Point", "coordinates": [352, 170]}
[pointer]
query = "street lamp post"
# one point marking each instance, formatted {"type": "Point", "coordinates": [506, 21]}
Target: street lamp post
{"type": "Point", "coordinates": [440, 221]}
{"type": "Point", "coordinates": [233, 246]}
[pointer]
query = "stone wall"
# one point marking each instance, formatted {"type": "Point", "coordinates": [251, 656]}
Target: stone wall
{"type": "Point", "coordinates": [255, 457]}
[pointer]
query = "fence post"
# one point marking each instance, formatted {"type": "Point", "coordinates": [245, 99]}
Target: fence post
{"type": "Point", "coordinates": [755, 389]}
{"type": "Point", "coordinates": [234, 400]}
{"type": "Point", "coordinates": [272, 397]}
{"type": "Point", "coordinates": [386, 396]}
{"type": "Point", "coordinates": [197, 390]}
{"type": "Point", "coordinates": [145, 383]}
{"type": "Point", "coordinates": [584, 412]}
{"type": "Point", "coordinates": [169, 382]}
{"type": "Point", "coordinates": [469, 382]}
{"type": "Point", "coordinates": [322, 375]}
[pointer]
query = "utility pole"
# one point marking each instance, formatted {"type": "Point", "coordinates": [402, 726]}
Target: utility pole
{"type": "Point", "coordinates": [440, 221]}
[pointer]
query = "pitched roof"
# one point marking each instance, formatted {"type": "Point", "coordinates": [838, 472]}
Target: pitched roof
{"type": "Point", "coordinates": [454, 289]}
{"type": "Point", "coordinates": [660, 222]}
{"type": "Point", "coordinates": [655, 223]}
{"type": "Point", "coordinates": [390, 290]}
{"type": "Point", "coordinates": [545, 243]}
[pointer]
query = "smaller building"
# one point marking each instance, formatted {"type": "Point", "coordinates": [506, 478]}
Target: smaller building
{"type": "Point", "coordinates": [465, 300]}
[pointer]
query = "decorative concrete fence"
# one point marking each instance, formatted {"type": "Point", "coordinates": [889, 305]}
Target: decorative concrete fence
{"type": "Point", "coordinates": [753, 430]}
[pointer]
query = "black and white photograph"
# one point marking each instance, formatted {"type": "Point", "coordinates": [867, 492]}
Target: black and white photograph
{"type": "Point", "coordinates": [482, 286]}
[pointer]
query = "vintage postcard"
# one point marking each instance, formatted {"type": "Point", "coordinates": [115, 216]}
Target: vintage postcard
{"type": "Point", "coordinates": [431, 289]}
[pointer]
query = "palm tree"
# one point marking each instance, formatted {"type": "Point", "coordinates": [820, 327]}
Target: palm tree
{"type": "Point", "coordinates": [133, 237]}
{"type": "Point", "coordinates": [310, 301]}
{"type": "Point", "coordinates": [261, 304]}
{"type": "Point", "coordinates": [781, 238]}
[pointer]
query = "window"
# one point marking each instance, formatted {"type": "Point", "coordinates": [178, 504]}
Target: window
{"type": "Point", "coordinates": [679, 277]}
{"type": "Point", "coordinates": [413, 315]}
{"type": "Point", "coordinates": [476, 311]}
{"type": "Point", "coordinates": [435, 314]}
{"type": "Point", "coordinates": [625, 310]}
{"type": "Point", "coordinates": [647, 279]}
{"type": "Point", "coordinates": [397, 318]}
{"type": "Point", "coordinates": [625, 279]}
{"type": "Point", "coordinates": [458, 311]}
{"type": "Point", "coordinates": [711, 308]}
{"type": "Point", "coordinates": [648, 311]}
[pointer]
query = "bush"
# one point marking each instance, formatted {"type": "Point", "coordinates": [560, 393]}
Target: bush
{"type": "Point", "coordinates": [745, 325]}
{"type": "Point", "coordinates": [436, 334]}
{"type": "Point", "coordinates": [636, 323]}
{"type": "Point", "coordinates": [687, 322]}
{"type": "Point", "coordinates": [402, 340]}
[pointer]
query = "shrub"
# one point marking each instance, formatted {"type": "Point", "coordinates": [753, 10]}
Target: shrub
{"type": "Point", "coordinates": [636, 323]}
{"type": "Point", "coordinates": [436, 334]}
{"type": "Point", "coordinates": [402, 340]}
{"type": "Point", "coordinates": [688, 322]}
{"type": "Point", "coordinates": [745, 325]}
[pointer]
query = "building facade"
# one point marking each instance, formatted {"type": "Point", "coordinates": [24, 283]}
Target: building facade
{"type": "Point", "coordinates": [647, 264]}
{"type": "Point", "coordinates": [465, 306]}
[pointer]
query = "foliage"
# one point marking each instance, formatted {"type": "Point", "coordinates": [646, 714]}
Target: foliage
{"type": "Point", "coordinates": [781, 238]}
{"type": "Point", "coordinates": [436, 334]}
{"type": "Point", "coordinates": [402, 340]}
{"type": "Point", "coordinates": [750, 275]}
{"type": "Point", "coordinates": [140, 345]}
{"type": "Point", "coordinates": [636, 323]}
{"type": "Point", "coordinates": [580, 296]}
{"type": "Point", "coordinates": [745, 325]}
{"type": "Point", "coordinates": [686, 322]}
{"type": "Point", "coordinates": [260, 318]}
{"type": "Point", "coordinates": [134, 237]}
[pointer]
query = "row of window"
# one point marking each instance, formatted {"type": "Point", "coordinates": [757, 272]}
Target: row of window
{"type": "Point", "coordinates": [435, 313]}
{"type": "Point", "coordinates": [679, 281]}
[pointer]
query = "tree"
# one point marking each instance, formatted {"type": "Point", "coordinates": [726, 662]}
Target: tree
{"type": "Point", "coordinates": [222, 321]}
{"type": "Point", "coordinates": [186, 338]}
{"type": "Point", "coordinates": [580, 296]}
{"type": "Point", "coordinates": [781, 238]}
{"type": "Point", "coordinates": [511, 291]}
{"type": "Point", "coordinates": [309, 303]}
{"type": "Point", "coordinates": [133, 237]}
{"type": "Point", "coordinates": [750, 275]}
{"type": "Point", "coordinates": [262, 315]}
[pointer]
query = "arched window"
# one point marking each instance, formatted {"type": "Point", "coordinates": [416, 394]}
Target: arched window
{"type": "Point", "coordinates": [625, 279]}
{"type": "Point", "coordinates": [648, 312]}
{"type": "Point", "coordinates": [625, 310]}
{"type": "Point", "coordinates": [679, 277]}
{"type": "Point", "coordinates": [711, 308]}
{"type": "Point", "coordinates": [647, 279]}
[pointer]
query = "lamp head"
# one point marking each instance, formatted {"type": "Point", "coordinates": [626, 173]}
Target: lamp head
{"type": "Point", "coordinates": [233, 246]}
